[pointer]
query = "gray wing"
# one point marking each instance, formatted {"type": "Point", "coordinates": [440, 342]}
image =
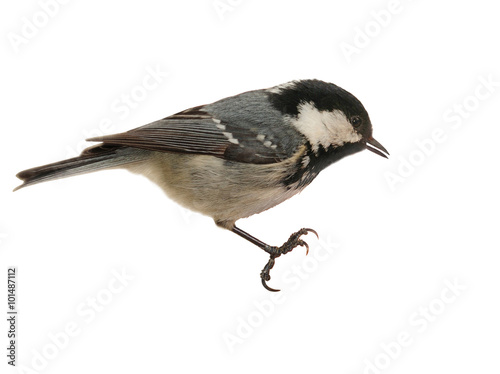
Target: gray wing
{"type": "Point", "coordinates": [242, 128]}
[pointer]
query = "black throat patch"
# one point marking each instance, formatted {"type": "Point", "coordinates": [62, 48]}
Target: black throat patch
{"type": "Point", "coordinates": [311, 164]}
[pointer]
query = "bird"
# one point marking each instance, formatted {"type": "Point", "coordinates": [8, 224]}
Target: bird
{"type": "Point", "coordinates": [238, 156]}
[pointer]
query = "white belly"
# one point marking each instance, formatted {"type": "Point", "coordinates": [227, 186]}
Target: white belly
{"type": "Point", "coordinates": [225, 191]}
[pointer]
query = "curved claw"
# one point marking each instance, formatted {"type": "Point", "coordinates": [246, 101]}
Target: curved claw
{"type": "Point", "coordinates": [275, 252]}
{"type": "Point", "coordinates": [264, 274]}
{"type": "Point", "coordinates": [307, 247]}
{"type": "Point", "coordinates": [313, 231]}
{"type": "Point", "coordinates": [267, 287]}
{"type": "Point", "coordinates": [304, 243]}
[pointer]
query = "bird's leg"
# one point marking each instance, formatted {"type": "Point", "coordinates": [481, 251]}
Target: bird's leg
{"type": "Point", "coordinates": [274, 252]}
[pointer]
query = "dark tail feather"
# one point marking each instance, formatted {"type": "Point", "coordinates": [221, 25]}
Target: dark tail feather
{"type": "Point", "coordinates": [92, 159]}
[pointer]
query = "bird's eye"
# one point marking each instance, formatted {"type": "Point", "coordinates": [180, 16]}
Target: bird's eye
{"type": "Point", "coordinates": [356, 121]}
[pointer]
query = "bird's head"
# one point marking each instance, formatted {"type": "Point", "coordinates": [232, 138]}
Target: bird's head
{"type": "Point", "coordinates": [330, 118]}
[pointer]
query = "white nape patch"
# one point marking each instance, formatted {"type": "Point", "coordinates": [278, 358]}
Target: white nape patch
{"type": "Point", "coordinates": [221, 127]}
{"type": "Point", "coordinates": [261, 137]}
{"type": "Point", "coordinates": [277, 89]}
{"type": "Point", "coordinates": [324, 127]}
{"type": "Point", "coordinates": [216, 120]}
{"type": "Point", "coordinates": [267, 143]}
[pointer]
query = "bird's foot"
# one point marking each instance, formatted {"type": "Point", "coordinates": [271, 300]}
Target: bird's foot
{"type": "Point", "coordinates": [274, 252]}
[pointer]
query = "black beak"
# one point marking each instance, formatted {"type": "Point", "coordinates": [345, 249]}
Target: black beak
{"type": "Point", "coordinates": [376, 147]}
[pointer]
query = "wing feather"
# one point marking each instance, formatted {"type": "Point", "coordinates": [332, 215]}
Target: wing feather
{"type": "Point", "coordinates": [195, 131]}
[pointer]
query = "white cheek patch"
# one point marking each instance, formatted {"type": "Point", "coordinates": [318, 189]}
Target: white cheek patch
{"type": "Point", "coordinates": [324, 127]}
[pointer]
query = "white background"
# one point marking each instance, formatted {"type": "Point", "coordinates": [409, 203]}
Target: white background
{"type": "Point", "coordinates": [394, 249]}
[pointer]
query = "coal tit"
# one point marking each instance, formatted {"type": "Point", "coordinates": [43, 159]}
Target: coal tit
{"type": "Point", "coordinates": [238, 156]}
